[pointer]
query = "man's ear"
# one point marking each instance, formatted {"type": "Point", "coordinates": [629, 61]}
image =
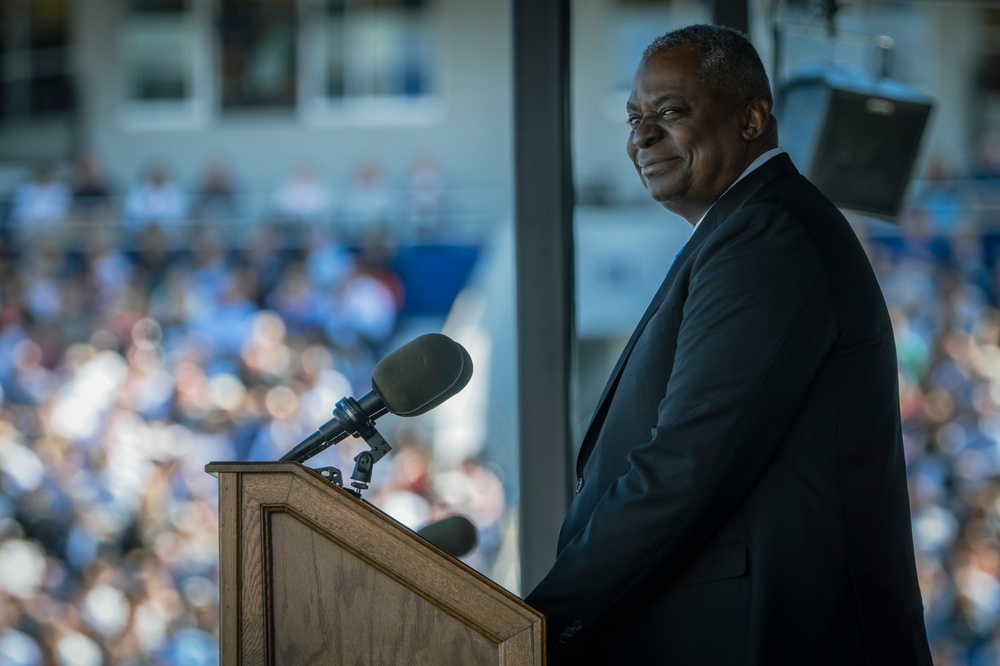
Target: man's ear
{"type": "Point", "coordinates": [755, 118]}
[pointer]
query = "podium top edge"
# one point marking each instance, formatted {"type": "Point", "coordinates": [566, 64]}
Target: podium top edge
{"type": "Point", "coordinates": [216, 468]}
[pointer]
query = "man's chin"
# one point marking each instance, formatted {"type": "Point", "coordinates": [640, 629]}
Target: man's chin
{"type": "Point", "coordinates": [671, 200]}
{"type": "Point", "coordinates": [663, 196]}
{"type": "Point", "coordinates": [664, 188]}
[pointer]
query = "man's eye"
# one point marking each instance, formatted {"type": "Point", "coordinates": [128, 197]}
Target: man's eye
{"type": "Point", "coordinates": [633, 121]}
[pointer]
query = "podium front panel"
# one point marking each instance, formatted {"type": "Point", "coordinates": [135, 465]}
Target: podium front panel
{"type": "Point", "coordinates": [310, 574]}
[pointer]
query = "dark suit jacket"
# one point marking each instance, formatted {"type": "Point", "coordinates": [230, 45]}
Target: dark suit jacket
{"type": "Point", "coordinates": [743, 496]}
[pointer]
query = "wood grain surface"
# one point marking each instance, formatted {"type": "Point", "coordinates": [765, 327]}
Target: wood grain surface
{"type": "Point", "coordinates": [310, 574]}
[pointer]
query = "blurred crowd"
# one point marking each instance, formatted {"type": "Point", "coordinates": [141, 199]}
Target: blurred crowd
{"type": "Point", "coordinates": [940, 272]}
{"type": "Point", "coordinates": [53, 202]}
{"type": "Point", "coordinates": [134, 353]}
{"type": "Point", "coordinates": [139, 340]}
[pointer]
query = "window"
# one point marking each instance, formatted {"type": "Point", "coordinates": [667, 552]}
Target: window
{"type": "Point", "coordinates": [346, 60]}
{"type": "Point", "coordinates": [34, 60]}
{"type": "Point", "coordinates": [164, 62]}
{"type": "Point", "coordinates": [368, 57]}
{"type": "Point", "coordinates": [257, 44]}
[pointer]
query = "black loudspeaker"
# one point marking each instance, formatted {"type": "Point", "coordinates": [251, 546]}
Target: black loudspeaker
{"type": "Point", "coordinates": [855, 137]}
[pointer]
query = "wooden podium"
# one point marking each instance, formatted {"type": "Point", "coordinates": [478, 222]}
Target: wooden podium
{"type": "Point", "coordinates": [310, 574]}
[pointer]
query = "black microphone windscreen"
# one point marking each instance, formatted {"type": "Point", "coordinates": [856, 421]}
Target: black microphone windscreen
{"type": "Point", "coordinates": [421, 374]}
{"type": "Point", "coordinates": [459, 384]}
{"type": "Point", "coordinates": [455, 535]}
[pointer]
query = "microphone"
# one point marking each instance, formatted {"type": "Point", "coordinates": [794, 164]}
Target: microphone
{"type": "Point", "coordinates": [455, 535]}
{"type": "Point", "coordinates": [410, 381]}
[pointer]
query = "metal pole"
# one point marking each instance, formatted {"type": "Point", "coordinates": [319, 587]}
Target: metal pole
{"type": "Point", "coordinates": [543, 229]}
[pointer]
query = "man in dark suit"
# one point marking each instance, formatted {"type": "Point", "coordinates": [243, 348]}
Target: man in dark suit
{"type": "Point", "coordinates": [742, 492]}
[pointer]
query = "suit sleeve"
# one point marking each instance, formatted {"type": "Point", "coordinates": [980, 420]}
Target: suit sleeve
{"type": "Point", "coordinates": [756, 324]}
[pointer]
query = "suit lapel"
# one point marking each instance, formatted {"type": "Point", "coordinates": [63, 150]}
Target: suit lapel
{"type": "Point", "coordinates": [731, 201]}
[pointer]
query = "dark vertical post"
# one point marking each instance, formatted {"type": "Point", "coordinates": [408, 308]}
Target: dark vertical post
{"type": "Point", "coordinates": [731, 13]}
{"type": "Point", "coordinates": [543, 227]}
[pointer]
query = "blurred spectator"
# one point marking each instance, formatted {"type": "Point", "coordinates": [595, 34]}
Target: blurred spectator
{"type": "Point", "coordinates": [301, 203]}
{"type": "Point", "coordinates": [986, 177]}
{"type": "Point", "coordinates": [303, 197]}
{"type": "Point", "coordinates": [157, 201]}
{"type": "Point", "coordinates": [366, 306]}
{"type": "Point", "coordinates": [939, 196]}
{"type": "Point", "coordinates": [92, 193]}
{"type": "Point", "coordinates": [265, 257]}
{"type": "Point", "coordinates": [19, 649]}
{"type": "Point", "coordinates": [328, 261]}
{"type": "Point", "coordinates": [375, 258]}
{"type": "Point", "coordinates": [298, 301]}
{"type": "Point", "coordinates": [986, 161]}
{"type": "Point", "coordinates": [368, 203]}
{"type": "Point", "coordinates": [215, 199]}
{"type": "Point", "coordinates": [40, 204]}
{"type": "Point", "coordinates": [425, 197]}
{"type": "Point", "coordinates": [408, 494]}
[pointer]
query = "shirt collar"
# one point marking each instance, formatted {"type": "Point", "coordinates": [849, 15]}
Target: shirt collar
{"type": "Point", "coordinates": [763, 157]}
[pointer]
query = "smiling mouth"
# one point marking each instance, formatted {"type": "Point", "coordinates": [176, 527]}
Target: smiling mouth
{"type": "Point", "coordinates": [655, 166]}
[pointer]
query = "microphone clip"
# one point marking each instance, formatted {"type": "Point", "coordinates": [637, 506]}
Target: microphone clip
{"type": "Point", "coordinates": [365, 461]}
{"type": "Point", "coordinates": [349, 418]}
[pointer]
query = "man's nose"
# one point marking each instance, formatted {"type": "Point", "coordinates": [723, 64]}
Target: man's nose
{"type": "Point", "coordinates": [647, 132]}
